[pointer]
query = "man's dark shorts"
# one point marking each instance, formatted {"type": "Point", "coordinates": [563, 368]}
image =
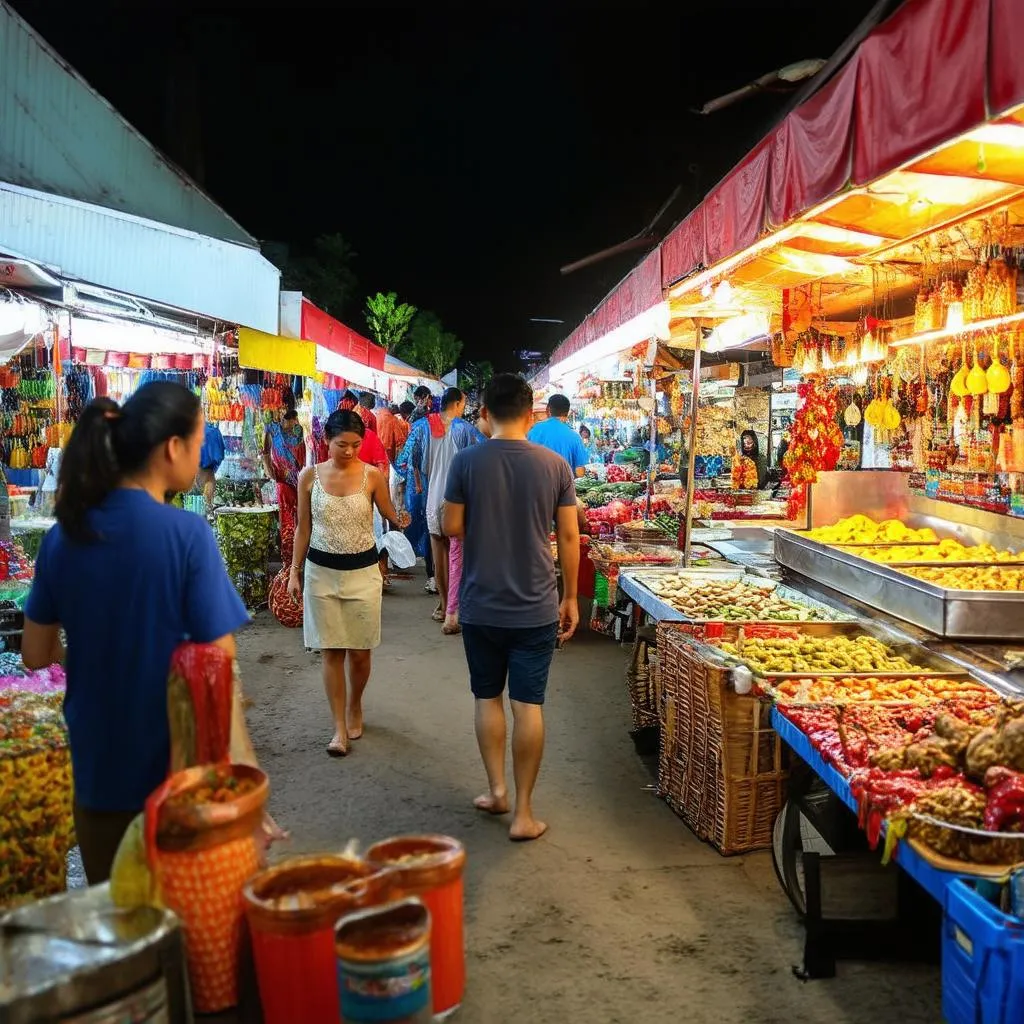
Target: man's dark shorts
{"type": "Point", "coordinates": [523, 656]}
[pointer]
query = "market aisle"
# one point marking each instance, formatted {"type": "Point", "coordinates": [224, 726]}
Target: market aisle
{"type": "Point", "coordinates": [619, 914]}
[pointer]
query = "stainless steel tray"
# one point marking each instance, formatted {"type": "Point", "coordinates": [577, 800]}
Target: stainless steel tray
{"type": "Point", "coordinates": [632, 582]}
{"type": "Point", "coordinates": [956, 614]}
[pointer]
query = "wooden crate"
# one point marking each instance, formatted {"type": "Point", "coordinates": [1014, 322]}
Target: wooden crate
{"type": "Point", "coordinates": [721, 765]}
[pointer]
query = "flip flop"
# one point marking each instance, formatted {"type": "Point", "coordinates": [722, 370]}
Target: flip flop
{"type": "Point", "coordinates": [438, 615]}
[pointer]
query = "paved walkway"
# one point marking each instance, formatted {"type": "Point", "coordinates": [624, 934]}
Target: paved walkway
{"type": "Point", "coordinates": [619, 914]}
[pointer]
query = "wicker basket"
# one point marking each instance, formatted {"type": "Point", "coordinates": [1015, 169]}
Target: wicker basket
{"type": "Point", "coordinates": [640, 683]}
{"type": "Point", "coordinates": [721, 766]}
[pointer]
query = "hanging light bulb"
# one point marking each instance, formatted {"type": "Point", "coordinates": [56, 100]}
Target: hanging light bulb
{"type": "Point", "coordinates": [810, 363]}
{"type": "Point", "coordinates": [723, 294]}
{"type": "Point", "coordinates": [826, 360]}
{"type": "Point", "coordinates": [852, 353]}
{"type": "Point", "coordinates": [860, 375]}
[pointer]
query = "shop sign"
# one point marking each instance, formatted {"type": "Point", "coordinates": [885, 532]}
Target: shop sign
{"type": "Point", "coordinates": [762, 378]}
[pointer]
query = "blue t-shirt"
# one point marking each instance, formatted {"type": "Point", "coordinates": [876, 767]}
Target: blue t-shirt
{"type": "Point", "coordinates": [512, 491]}
{"type": "Point", "coordinates": [153, 579]}
{"type": "Point", "coordinates": [560, 438]}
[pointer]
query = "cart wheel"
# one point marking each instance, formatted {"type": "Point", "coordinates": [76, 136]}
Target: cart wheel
{"type": "Point", "coordinates": [791, 836]}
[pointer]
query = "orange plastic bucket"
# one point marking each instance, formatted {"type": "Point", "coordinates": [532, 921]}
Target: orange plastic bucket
{"type": "Point", "coordinates": [431, 867]}
{"type": "Point", "coordinates": [292, 910]}
{"type": "Point", "coordinates": [205, 853]}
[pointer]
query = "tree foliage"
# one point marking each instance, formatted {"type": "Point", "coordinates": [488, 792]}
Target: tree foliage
{"type": "Point", "coordinates": [388, 320]}
{"type": "Point", "coordinates": [430, 347]}
{"type": "Point", "coordinates": [474, 377]}
{"type": "Point", "coordinates": [324, 275]}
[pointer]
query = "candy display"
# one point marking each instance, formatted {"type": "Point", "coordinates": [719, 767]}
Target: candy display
{"type": "Point", "coordinates": [35, 788]}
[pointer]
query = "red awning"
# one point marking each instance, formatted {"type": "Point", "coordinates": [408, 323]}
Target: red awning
{"type": "Point", "coordinates": [932, 71]}
{"type": "Point", "coordinates": [638, 292]}
{"type": "Point", "coordinates": [322, 328]}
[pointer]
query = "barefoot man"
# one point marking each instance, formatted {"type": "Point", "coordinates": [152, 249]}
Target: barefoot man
{"type": "Point", "coordinates": [501, 500]}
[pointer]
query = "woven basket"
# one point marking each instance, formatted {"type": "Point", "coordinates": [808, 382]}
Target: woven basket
{"type": "Point", "coordinates": [640, 685]}
{"type": "Point", "coordinates": [721, 766]}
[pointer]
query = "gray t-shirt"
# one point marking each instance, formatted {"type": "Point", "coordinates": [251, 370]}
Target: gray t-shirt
{"type": "Point", "coordinates": [512, 491]}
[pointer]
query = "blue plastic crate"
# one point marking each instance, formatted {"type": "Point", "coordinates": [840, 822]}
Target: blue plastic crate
{"type": "Point", "coordinates": [982, 960]}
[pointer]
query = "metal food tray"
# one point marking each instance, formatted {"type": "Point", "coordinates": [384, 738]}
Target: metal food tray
{"type": "Point", "coordinates": [632, 582]}
{"type": "Point", "coordinates": [955, 614]}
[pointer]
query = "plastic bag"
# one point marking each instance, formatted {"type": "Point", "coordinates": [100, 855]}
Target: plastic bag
{"type": "Point", "coordinates": [399, 550]}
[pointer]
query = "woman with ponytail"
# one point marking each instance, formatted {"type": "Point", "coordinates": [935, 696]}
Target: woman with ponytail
{"type": "Point", "coordinates": [128, 578]}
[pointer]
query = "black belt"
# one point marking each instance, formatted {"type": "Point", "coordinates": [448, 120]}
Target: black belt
{"type": "Point", "coordinates": [329, 560]}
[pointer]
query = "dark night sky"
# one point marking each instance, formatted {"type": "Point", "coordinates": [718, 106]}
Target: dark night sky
{"type": "Point", "coordinates": [466, 155]}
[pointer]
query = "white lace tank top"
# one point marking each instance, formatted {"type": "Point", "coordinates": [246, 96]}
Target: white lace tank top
{"type": "Point", "coordinates": [341, 525]}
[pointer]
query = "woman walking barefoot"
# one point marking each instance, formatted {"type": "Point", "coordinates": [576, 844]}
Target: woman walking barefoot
{"type": "Point", "coordinates": [334, 537]}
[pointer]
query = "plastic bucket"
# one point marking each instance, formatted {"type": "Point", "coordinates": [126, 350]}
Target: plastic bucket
{"type": "Point", "coordinates": [383, 965]}
{"type": "Point", "coordinates": [431, 867]}
{"type": "Point", "coordinates": [292, 910]}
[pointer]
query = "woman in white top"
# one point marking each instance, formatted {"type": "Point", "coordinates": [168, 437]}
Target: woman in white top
{"type": "Point", "coordinates": [334, 537]}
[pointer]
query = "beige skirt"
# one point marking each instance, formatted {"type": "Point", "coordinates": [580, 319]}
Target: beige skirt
{"type": "Point", "coordinates": [341, 608]}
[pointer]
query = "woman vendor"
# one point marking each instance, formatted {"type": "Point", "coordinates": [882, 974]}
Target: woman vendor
{"type": "Point", "coordinates": [750, 448]}
{"type": "Point", "coordinates": [128, 578]}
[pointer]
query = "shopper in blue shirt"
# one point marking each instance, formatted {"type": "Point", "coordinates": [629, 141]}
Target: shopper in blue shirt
{"type": "Point", "coordinates": [556, 435]}
{"type": "Point", "coordinates": [128, 578]}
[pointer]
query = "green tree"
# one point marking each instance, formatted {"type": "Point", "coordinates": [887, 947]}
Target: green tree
{"type": "Point", "coordinates": [430, 346]}
{"type": "Point", "coordinates": [388, 320]}
{"type": "Point", "coordinates": [474, 377]}
{"type": "Point", "coordinates": [324, 275]}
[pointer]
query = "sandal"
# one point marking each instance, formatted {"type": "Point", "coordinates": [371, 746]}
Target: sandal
{"type": "Point", "coordinates": [438, 615]}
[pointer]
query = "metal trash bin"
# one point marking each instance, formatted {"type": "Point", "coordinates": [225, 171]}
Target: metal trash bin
{"type": "Point", "coordinates": [76, 957]}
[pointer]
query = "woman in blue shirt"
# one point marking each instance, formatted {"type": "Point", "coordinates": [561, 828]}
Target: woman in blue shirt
{"type": "Point", "coordinates": [128, 578]}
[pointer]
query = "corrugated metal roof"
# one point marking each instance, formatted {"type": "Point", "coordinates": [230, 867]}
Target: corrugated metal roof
{"type": "Point", "coordinates": [219, 279]}
{"type": "Point", "coordinates": [57, 134]}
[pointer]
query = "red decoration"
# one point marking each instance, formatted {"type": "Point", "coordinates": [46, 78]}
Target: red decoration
{"type": "Point", "coordinates": [815, 440]}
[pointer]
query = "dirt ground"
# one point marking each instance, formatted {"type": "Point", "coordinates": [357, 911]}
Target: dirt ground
{"type": "Point", "coordinates": [619, 914]}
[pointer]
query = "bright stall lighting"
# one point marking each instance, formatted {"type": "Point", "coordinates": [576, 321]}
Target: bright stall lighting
{"type": "Point", "coordinates": [738, 331]}
{"type": "Point", "coordinates": [652, 323]}
{"type": "Point", "coordinates": [125, 336]}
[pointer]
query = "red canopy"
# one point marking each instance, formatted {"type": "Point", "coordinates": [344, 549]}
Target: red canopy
{"type": "Point", "coordinates": [635, 294]}
{"type": "Point", "coordinates": [322, 328]}
{"type": "Point", "coordinates": [932, 71]}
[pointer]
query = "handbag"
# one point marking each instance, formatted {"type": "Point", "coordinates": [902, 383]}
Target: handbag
{"type": "Point", "coordinates": [282, 607]}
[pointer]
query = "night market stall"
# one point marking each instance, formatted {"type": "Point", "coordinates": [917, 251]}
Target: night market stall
{"type": "Point", "coordinates": [878, 258]}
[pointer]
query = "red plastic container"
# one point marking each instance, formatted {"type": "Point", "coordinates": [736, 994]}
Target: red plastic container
{"type": "Point", "coordinates": [292, 910]}
{"type": "Point", "coordinates": [431, 868]}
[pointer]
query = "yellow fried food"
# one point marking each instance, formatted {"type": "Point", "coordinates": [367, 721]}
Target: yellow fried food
{"type": "Point", "coordinates": [978, 577]}
{"type": "Point", "coordinates": [946, 551]}
{"type": "Point", "coordinates": [861, 529]}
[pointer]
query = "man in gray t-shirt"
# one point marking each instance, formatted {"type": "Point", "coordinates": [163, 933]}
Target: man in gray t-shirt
{"type": "Point", "coordinates": [501, 499]}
